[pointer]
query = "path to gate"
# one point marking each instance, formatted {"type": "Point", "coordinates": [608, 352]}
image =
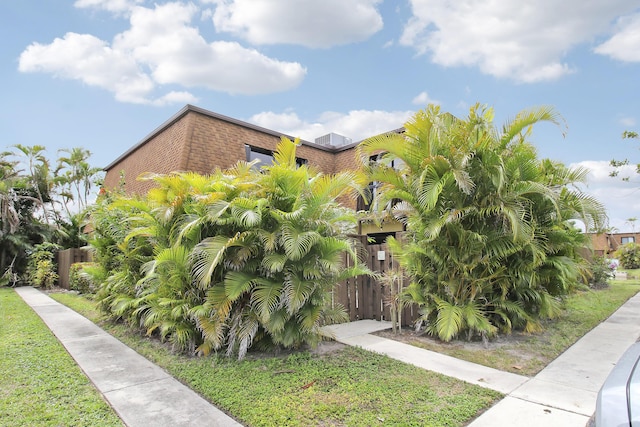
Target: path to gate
{"type": "Point", "coordinates": [561, 395]}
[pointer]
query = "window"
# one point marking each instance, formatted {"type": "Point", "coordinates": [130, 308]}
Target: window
{"type": "Point", "coordinates": [368, 202]}
{"type": "Point", "coordinates": [378, 238]}
{"type": "Point", "coordinates": [265, 156]}
{"type": "Point", "coordinates": [629, 239]}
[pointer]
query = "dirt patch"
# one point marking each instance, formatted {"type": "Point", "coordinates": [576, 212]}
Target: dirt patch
{"type": "Point", "coordinates": [327, 347]}
{"type": "Point", "coordinates": [57, 290]}
{"type": "Point", "coordinates": [516, 352]}
{"type": "Point", "coordinates": [409, 335]}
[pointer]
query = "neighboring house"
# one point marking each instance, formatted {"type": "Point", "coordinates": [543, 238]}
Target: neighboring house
{"type": "Point", "coordinates": [605, 244]}
{"type": "Point", "coordinates": [198, 140]}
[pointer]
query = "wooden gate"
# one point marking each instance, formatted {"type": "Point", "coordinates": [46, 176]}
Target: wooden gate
{"type": "Point", "coordinates": [366, 297]}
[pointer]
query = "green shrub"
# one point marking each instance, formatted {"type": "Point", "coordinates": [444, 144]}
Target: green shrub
{"type": "Point", "coordinates": [229, 260]}
{"type": "Point", "coordinates": [41, 269]}
{"type": "Point", "coordinates": [79, 279]}
{"type": "Point", "coordinates": [629, 255]}
{"type": "Point", "coordinates": [601, 270]}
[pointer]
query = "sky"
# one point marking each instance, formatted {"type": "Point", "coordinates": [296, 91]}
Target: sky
{"type": "Point", "coordinates": [103, 74]}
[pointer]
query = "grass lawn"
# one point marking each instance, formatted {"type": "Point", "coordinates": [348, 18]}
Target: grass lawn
{"type": "Point", "coordinates": [527, 354]}
{"type": "Point", "coordinates": [342, 387]}
{"type": "Point", "coordinates": [40, 384]}
{"type": "Point", "coordinates": [631, 273]}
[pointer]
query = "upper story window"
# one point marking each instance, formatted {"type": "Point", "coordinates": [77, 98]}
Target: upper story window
{"type": "Point", "coordinates": [629, 239]}
{"type": "Point", "coordinates": [265, 156]}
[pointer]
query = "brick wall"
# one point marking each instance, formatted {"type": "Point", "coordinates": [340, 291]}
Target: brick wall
{"type": "Point", "coordinates": [161, 154]}
{"type": "Point", "coordinates": [607, 243]}
{"type": "Point", "coordinates": [200, 141]}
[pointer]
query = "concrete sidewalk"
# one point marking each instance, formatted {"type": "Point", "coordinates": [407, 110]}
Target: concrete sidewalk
{"type": "Point", "coordinates": [562, 395]}
{"type": "Point", "coordinates": [141, 393]}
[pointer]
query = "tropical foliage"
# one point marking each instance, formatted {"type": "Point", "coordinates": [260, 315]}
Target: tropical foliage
{"type": "Point", "coordinates": [601, 270]}
{"type": "Point", "coordinates": [237, 258]}
{"type": "Point", "coordinates": [490, 244]}
{"type": "Point", "coordinates": [617, 165]}
{"type": "Point", "coordinates": [39, 204]}
{"type": "Point", "coordinates": [41, 269]}
{"type": "Point", "coordinates": [629, 255]}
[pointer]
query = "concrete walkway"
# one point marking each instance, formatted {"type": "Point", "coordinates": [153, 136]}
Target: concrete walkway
{"type": "Point", "coordinates": [141, 393]}
{"type": "Point", "coordinates": [562, 395]}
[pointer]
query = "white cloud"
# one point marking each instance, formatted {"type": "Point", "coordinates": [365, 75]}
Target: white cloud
{"type": "Point", "coordinates": [114, 6]}
{"type": "Point", "coordinates": [161, 48]}
{"type": "Point", "coordinates": [619, 198]}
{"type": "Point", "coordinates": [624, 45]}
{"type": "Point", "coordinates": [175, 97]}
{"type": "Point", "coordinates": [423, 99]}
{"type": "Point", "coordinates": [357, 124]}
{"type": "Point", "coordinates": [519, 40]}
{"type": "Point", "coordinates": [628, 121]}
{"type": "Point", "coordinates": [88, 59]}
{"type": "Point", "coordinates": [311, 23]}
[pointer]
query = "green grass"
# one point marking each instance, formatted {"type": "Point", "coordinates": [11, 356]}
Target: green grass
{"type": "Point", "coordinates": [40, 384]}
{"type": "Point", "coordinates": [346, 387]}
{"type": "Point", "coordinates": [527, 354]}
{"type": "Point", "coordinates": [631, 273]}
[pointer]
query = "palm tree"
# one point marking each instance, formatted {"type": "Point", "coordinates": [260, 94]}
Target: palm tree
{"type": "Point", "coordinates": [233, 259]}
{"type": "Point", "coordinates": [480, 217]}
{"type": "Point", "coordinates": [38, 176]}
{"type": "Point", "coordinates": [20, 230]}
{"type": "Point", "coordinates": [284, 254]}
{"type": "Point", "coordinates": [75, 176]}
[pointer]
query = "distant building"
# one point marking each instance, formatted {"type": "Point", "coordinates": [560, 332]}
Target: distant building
{"type": "Point", "coordinates": [605, 244]}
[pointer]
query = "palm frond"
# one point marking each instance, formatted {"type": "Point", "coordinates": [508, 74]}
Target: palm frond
{"type": "Point", "coordinates": [266, 298]}
{"type": "Point", "coordinates": [237, 283]}
{"type": "Point", "coordinates": [206, 257]}
{"type": "Point", "coordinates": [449, 321]}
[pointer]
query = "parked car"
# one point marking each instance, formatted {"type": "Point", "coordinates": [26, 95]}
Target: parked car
{"type": "Point", "coordinates": [618, 401]}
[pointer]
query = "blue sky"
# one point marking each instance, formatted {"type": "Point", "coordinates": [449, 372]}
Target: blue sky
{"type": "Point", "coordinates": [102, 74]}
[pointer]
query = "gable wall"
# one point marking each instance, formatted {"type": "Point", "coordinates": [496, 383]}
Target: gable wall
{"type": "Point", "coordinates": [161, 154]}
{"type": "Point", "coordinates": [199, 142]}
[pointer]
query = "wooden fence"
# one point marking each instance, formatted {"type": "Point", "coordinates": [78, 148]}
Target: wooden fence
{"type": "Point", "coordinates": [363, 297]}
{"type": "Point", "coordinates": [366, 297]}
{"type": "Point", "coordinates": [65, 259]}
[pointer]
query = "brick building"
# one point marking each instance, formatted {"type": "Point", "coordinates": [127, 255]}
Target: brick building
{"type": "Point", "coordinates": [605, 244]}
{"type": "Point", "coordinates": [198, 140]}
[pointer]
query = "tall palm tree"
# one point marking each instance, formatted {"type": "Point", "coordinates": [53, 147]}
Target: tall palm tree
{"type": "Point", "coordinates": [39, 175]}
{"type": "Point", "coordinates": [20, 229]}
{"type": "Point", "coordinates": [75, 176]}
{"type": "Point", "coordinates": [479, 215]}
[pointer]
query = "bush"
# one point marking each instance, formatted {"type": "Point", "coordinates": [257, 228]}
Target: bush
{"type": "Point", "coordinates": [601, 270]}
{"type": "Point", "coordinates": [41, 269]}
{"type": "Point", "coordinates": [80, 280]}
{"type": "Point", "coordinates": [230, 260]}
{"type": "Point", "coordinates": [629, 255]}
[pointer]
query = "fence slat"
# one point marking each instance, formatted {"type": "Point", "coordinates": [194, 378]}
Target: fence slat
{"type": "Point", "coordinates": [367, 298]}
{"type": "Point", "coordinates": [67, 257]}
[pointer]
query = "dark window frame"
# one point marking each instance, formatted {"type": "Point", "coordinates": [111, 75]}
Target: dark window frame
{"type": "Point", "coordinates": [250, 149]}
